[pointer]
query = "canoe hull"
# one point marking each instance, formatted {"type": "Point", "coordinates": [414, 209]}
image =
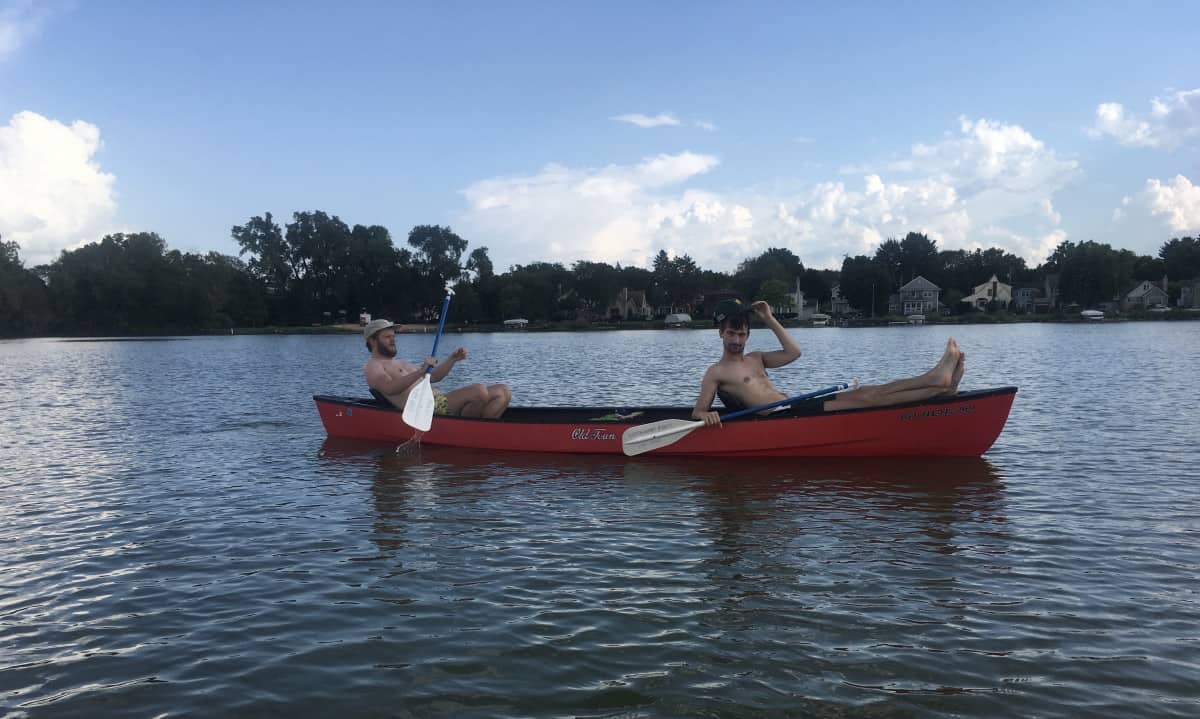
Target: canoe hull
{"type": "Point", "coordinates": [962, 426]}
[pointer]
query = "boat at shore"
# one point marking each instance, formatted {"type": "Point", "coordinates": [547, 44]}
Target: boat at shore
{"type": "Point", "coordinates": [678, 320]}
{"type": "Point", "coordinates": [965, 425]}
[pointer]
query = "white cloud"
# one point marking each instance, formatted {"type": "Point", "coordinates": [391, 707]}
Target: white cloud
{"type": "Point", "coordinates": [619, 213]}
{"type": "Point", "coordinates": [53, 194]}
{"type": "Point", "coordinates": [646, 121]}
{"type": "Point", "coordinates": [990, 180]}
{"type": "Point", "coordinates": [989, 176]}
{"type": "Point", "coordinates": [1119, 213]}
{"type": "Point", "coordinates": [705, 125]}
{"type": "Point", "coordinates": [804, 140]}
{"type": "Point", "coordinates": [1178, 200]}
{"type": "Point", "coordinates": [1037, 246]}
{"type": "Point", "coordinates": [1051, 214]}
{"type": "Point", "coordinates": [19, 21]}
{"type": "Point", "coordinates": [1172, 122]}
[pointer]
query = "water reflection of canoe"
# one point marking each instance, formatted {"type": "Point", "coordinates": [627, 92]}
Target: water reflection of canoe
{"type": "Point", "coordinates": [961, 426]}
{"type": "Point", "coordinates": [766, 476]}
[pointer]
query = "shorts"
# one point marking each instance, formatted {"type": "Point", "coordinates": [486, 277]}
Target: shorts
{"type": "Point", "coordinates": [441, 405]}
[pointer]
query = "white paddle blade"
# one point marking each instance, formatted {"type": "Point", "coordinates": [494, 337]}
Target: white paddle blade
{"type": "Point", "coordinates": [418, 409]}
{"type": "Point", "coordinates": [643, 438]}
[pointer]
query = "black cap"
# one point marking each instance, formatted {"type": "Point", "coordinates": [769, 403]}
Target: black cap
{"type": "Point", "coordinates": [729, 308]}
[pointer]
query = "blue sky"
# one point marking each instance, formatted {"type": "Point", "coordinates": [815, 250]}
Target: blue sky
{"type": "Point", "coordinates": [605, 131]}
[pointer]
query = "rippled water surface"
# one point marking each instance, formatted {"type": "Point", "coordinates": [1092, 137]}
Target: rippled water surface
{"type": "Point", "coordinates": [178, 538]}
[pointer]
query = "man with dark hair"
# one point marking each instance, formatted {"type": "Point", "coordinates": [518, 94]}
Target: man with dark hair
{"type": "Point", "coordinates": [394, 378]}
{"type": "Point", "coordinates": [741, 381]}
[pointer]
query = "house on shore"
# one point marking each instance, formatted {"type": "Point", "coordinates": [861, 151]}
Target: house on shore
{"type": "Point", "coordinates": [1024, 299]}
{"type": "Point", "coordinates": [991, 291]}
{"type": "Point", "coordinates": [838, 305]}
{"type": "Point", "coordinates": [918, 297]}
{"type": "Point", "coordinates": [1047, 301]}
{"type": "Point", "coordinates": [629, 305]}
{"type": "Point", "coordinates": [1145, 295]}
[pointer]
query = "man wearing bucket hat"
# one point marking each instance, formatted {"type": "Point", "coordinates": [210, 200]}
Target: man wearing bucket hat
{"type": "Point", "coordinates": [740, 379]}
{"type": "Point", "coordinates": [393, 379]}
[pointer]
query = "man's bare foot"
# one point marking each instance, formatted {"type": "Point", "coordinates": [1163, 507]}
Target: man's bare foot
{"type": "Point", "coordinates": [950, 352]}
{"type": "Point", "coordinates": [959, 369]}
{"type": "Point", "coordinates": [942, 375]}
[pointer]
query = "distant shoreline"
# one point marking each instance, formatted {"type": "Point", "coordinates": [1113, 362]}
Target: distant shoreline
{"type": "Point", "coordinates": [898, 322]}
{"type": "Point", "coordinates": [569, 326]}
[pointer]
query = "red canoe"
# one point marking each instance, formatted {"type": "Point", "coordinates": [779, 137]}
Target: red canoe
{"type": "Point", "coordinates": [962, 426]}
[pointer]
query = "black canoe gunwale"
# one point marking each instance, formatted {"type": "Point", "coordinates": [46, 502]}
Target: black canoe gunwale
{"type": "Point", "coordinates": [575, 415]}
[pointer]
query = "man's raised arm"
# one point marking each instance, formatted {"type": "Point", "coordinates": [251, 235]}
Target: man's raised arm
{"type": "Point", "coordinates": [790, 351]}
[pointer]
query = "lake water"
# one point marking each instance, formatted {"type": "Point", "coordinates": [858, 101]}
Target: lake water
{"type": "Point", "coordinates": [178, 538]}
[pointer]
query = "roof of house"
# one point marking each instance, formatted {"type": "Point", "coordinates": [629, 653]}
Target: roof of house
{"type": "Point", "coordinates": [919, 283]}
{"type": "Point", "coordinates": [1143, 288]}
{"type": "Point", "coordinates": [995, 279]}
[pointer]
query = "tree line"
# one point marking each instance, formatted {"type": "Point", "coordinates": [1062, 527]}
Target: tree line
{"type": "Point", "coordinates": [317, 269]}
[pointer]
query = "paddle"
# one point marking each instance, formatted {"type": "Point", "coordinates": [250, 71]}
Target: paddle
{"type": "Point", "coordinates": [643, 438]}
{"type": "Point", "coordinates": [418, 409]}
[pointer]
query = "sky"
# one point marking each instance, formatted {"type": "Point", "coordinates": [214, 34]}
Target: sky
{"type": "Point", "coordinates": [606, 131]}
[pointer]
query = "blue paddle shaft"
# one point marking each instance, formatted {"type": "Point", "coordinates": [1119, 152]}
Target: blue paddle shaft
{"type": "Point", "coordinates": [441, 324]}
{"type": "Point", "coordinates": [789, 400]}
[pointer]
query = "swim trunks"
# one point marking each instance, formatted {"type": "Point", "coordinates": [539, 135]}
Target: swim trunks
{"type": "Point", "coordinates": [441, 405]}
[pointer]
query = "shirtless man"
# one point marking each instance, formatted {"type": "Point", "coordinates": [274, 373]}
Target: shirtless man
{"type": "Point", "coordinates": [394, 378]}
{"type": "Point", "coordinates": [743, 377]}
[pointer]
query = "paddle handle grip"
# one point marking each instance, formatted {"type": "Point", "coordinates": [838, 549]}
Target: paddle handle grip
{"type": "Point", "coordinates": [441, 323]}
{"type": "Point", "coordinates": [790, 400]}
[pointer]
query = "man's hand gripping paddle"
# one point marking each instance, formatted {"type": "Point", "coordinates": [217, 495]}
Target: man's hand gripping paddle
{"type": "Point", "coordinates": [647, 437]}
{"type": "Point", "coordinates": [418, 410]}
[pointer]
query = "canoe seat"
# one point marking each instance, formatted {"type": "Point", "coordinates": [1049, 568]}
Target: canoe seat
{"type": "Point", "coordinates": [381, 398]}
{"type": "Point", "coordinates": [733, 404]}
{"type": "Point", "coordinates": [808, 406]}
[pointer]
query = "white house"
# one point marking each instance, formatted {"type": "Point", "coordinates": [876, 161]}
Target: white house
{"type": "Point", "coordinates": [797, 301]}
{"type": "Point", "coordinates": [838, 305]}
{"type": "Point", "coordinates": [991, 291]}
{"type": "Point", "coordinates": [1145, 295]}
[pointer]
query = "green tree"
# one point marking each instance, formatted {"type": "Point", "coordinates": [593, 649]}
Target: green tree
{"type": "Point", "coordinates": [371, 272]}
{"type": "Point", "coordinates": [1091, 273]}
{"type": "Point", "coordinates": [24, 298]}
{"type": "Point", "coordinates": [538, 291]}
{"type": "Point", "coordinates": [776, 294]}
{"type": "Point", "coordinates": [438, 259]}
{"type": "Point", "coordinates": [777, 263]}
{"type": "Point", "coordinates": [479, 263]}
{"type": "Point", "coordinates": [817, 285]}
{"type": "Point", "coordinates": [889, 258]}
{"type": "Point", "coordinates": [10, 255]}
{"type": "Point", "coordinates": [863, 279]}
{"type": "Point", "coordinates": [596, 284]}
{"type": "Point", "coordinates": [270, 259]}
{"type": "Point", "coordinates": [677, 281]}
{"type": "Point", "coordinates": [319, 248]}
{"type": "Point", "coordinates": [1181, 256]}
